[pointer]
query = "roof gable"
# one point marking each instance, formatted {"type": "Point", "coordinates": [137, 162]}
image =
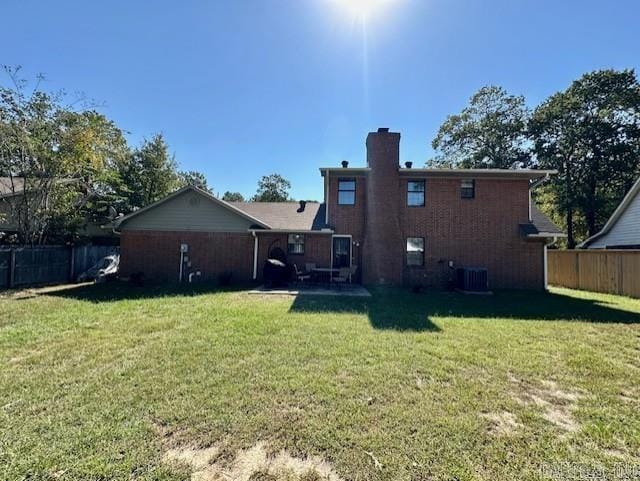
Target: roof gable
{"type": "Point", "coordinates": [190, 209]}
{"type": "Point", "coordinates": [540, 225]}
{"type": "Point", "coordinates": [629, 200]}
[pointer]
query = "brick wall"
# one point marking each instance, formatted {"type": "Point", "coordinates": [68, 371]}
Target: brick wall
{"type": "Point", "coordinates": [479, 232]}
{"type": "Point", "coordinates": [348, 219]}
{"type": "Point", "coordinates": [157, 254]}
{"type": "Point", "coordinates": [382, 247]}
{"type": "Point", "coordinates": [317, 249]}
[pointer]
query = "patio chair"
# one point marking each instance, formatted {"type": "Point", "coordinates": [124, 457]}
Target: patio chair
{"type": "Point", "coordinates": [301, 276]}
{"type": "Point", "coordinates": [352, 272]}
{"type": "Point", "coordinates": [344, 274]}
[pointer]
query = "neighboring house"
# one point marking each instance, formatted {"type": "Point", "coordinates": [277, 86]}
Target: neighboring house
{"type": "Point", "coordinates": [397, 225]}
{"type": "Point", "coordinates": [11, 194]}
{"type": "Point", "coordinates": [10, 190]}
{"type": "Point", "coordinates": [622, 230]}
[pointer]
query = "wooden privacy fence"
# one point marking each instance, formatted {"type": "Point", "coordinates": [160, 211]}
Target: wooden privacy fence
{"type": "Point", "coordinates": [612, 271]}
{"type": "Point", "coordinates": [23, 266]}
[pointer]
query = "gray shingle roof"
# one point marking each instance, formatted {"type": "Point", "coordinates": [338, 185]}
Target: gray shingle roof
{"type": "Point", "coordinates": [286, 215]}
{"type": "Point", "coordinates": [540, 224]}
{"type": "Point", "coordinates": [6, 186]}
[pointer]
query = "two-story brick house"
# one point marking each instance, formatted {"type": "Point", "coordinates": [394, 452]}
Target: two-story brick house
{"type": "Point", "coordinates": [398, 225]}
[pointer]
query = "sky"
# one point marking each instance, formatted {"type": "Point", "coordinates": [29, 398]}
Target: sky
{"type": "Point", "coordinates": [245, 88]}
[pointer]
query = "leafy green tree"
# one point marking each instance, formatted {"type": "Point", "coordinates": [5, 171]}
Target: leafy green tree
{"type": "Point", "coordinates": [150, 175]}
{"type": "Point", "coordinates": [590, 133]}
{"type": "Point", "coordinates": [52, 157]}
{"type": "Point", "coordinates": [195, 178]}
{"type": "Point", "coordinates": [233, 197]}
{"type": "Point", "coordinates": [489, 133]}
{"type": "Point", "coordinates": [272, 188]}
{"type": "Point", "coordinates": [93, 149]}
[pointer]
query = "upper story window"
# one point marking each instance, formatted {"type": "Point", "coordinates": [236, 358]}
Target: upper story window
{"type": "Point", "coordinates": [415, 251]}
{"type": "Point", "coordinates": [346, 192]}
{"type": "Point", "coordinates": [295, 244]}
{"type": "Point", "coordinates": [468, 189]}
{"type": "Point", "coordinates": [415, 193]}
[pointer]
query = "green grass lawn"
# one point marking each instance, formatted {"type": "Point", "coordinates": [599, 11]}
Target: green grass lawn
{"type": "Point", "coordinates": [102, 382]}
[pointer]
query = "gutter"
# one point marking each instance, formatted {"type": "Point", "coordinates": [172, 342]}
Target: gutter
{"type": "Point", "coordinates": [540, 181]}
{"type": "Point", "coordinates": [255, 255]}
{"type": "Point", "coordinates": [543, 235]}
{"type": "Point", "coordinates": [292, 231]}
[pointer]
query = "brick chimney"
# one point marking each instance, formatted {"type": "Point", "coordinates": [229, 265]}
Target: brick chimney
{"type": "Point", "coordinates": [383, 262]}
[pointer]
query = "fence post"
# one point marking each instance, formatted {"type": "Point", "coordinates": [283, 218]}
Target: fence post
{"type": "Point", "coordinates": [12, 267]}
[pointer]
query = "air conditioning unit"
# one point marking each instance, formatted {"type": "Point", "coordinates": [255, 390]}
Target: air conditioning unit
{"type": "Point", "coordinates": [472, 279]}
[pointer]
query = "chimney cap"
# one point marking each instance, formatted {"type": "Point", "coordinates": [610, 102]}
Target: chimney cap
{"type": "Point", "coordinates": [303, 204]}
{"type": "Point", "coordinates": [382, 130]}
{"type": "Point", "coordinates": [345, 163]}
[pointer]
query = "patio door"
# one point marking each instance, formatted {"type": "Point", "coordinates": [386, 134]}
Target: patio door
{"type": "Point", "coordinates": [341, 251]}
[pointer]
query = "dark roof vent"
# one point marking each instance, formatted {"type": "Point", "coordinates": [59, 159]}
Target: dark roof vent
{"type": "Point", "coordinates": [408, 164]}
{"type": "Point", "coordinates": [382, 130]}
{"type": "Point", "coordinates": [345, 163]}
{"type": "Point", "coordinates": [303, 204]}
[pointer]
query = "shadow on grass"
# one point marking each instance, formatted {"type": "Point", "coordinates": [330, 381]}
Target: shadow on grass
{"type": "Point", "coordinates": [397, 309]}
{"type": "Point", "coordinates": [403, 310]}
{"type": "Point", "coordinates": [117, 291]}
{"type": "Point", "coordinates": [383, 310]}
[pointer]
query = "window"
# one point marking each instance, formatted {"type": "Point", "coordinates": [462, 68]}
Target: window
{"type": "Point", "coordinates": [415, 251]}
{"type": "Point", "coordinates": [346, 192]}
{"type": "Point", "coordinates": [295, 244]}
{"type": "Point", "coordinates": [415, 193]}
{"type": "Point", "coordinates": [468, 189]}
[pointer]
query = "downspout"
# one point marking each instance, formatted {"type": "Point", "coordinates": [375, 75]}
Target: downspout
{"type": "Point", "coordinates": [326, 198]}
{"type": "Point", "coordinates": [181, 265]}
{"type": "Point", "coordinates": [546, 262]}
{"type": "Point", "coordinates": [545, 258]}
{"type": "Point", "coordinates": [255, 255]}
{"type": "Point", "coordinates": [532, 186]}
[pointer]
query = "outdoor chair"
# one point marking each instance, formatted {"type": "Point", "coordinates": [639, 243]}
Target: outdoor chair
{"type": "Point", "coordinates": [352, 272]}
{"type": "Point", "coordinates": [344, 274]}
{"type": "Point", "coordinates": [301, 276]}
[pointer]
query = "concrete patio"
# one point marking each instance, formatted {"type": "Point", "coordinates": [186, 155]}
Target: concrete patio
{"type": "Point", "coordinates": [347, 291]}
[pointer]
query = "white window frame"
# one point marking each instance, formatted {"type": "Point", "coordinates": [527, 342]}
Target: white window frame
{"type": "Point", "coordinates": [473, 189]}
{"type": "Point", "coordinates": [424, 248]}
{"type": "Point", "coordinates": [304, 241]}
{"type": "Point", "coordinates": [355, 189]}
{"type": "Point", "coordinates": [423, 191]}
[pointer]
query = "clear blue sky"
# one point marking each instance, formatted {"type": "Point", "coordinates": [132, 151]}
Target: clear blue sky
{"type": "Point", "coordinates": [242, 88]}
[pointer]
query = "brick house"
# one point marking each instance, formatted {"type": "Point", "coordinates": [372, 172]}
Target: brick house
{"type": "Point", "coordinates": [398, 225]}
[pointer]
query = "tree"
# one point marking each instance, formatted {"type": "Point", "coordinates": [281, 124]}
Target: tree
{"type": "Point", "coordinates": [590, 133]}
{"type": "Point", "coordinates": [150, 174]}
{"type": "Point", "coordinates": [195, 178]}
{"type": "Point", "coordinates": [489, 133]}
{"type": "Point", "coordinates": [53, 156]}
{"type": "Point", "coordinates": [233, 197]}
{"type": "Point", "coordinates": [272, 188]}
{"type": "Point", "coordinates": [93, 148]}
